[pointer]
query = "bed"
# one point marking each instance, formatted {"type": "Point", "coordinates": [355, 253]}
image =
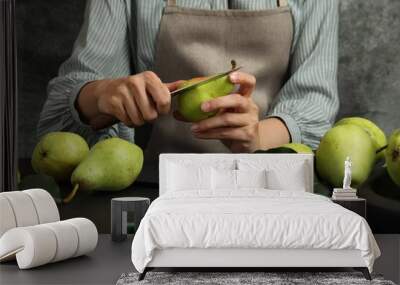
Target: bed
{"type": "Point", "coordinates": [246, 211]}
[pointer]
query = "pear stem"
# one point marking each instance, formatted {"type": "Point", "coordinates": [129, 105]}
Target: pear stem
{"type": "Point", "coordinates": [71, 195]}
{"type": "Point", "coordinates": [233, 64]}
{"type": "Point", "coordinates": [381, 149]}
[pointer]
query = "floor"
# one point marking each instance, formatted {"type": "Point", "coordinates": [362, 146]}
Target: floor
{"type": "Point", "coordinates": [389, 263]}
{"type": "Point", "coordinates": [110, 260]}
{"type": "Point", "coordinates": [102, 266]}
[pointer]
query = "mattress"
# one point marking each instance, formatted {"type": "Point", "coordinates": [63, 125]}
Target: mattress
{"type": "Point", "coordinates": [250, 218]}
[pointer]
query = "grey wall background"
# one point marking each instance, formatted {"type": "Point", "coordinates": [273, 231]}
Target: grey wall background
{"type": "Point", "coordinates": [369, 61]}
{"type": "Point", "coordinates": [369, 71]}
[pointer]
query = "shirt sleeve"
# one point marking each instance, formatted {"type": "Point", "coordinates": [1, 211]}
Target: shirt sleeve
{"type": "Point", "coordinates": [308, 102]}
{"type": "Point", "coordinates": [100, 51]}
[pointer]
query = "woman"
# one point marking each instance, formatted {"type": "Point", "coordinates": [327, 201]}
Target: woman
{"type": "Point", "coordinates": [130, 55]}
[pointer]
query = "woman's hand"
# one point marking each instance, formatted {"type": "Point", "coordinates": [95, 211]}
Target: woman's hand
{"type": "Point", "coordinates": [132, 100]}
{"type": "Point", "coordinates": [236, 123]}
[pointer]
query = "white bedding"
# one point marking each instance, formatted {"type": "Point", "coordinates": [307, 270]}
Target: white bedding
{"type": "Point", "coordinates": [250, 218]}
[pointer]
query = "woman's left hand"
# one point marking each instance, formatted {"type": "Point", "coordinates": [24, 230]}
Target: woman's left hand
{"type": "Point", "coordinates": [236, 123]}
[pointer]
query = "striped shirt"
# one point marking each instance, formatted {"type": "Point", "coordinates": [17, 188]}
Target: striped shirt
{"type": "Point", "coordinates": [118, 38]}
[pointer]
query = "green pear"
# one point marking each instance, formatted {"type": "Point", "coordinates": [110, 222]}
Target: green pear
{"type": "Point", "coordinates": [299, 148]}
{"type": "Point", "coordinates": [111, 165]}
{"type": "Point", "coordinates": [189, 103]}
{"type": "Point", "coordinates": [343, 141]}
{"type": "Point", "coordinates": [377, 135]}
{"type": "Point", "coordinates": [279, 149]}
{"type": "Point", "coordinates": [392, 156]}
{"type": "Point", "coordinates": [58, 153]}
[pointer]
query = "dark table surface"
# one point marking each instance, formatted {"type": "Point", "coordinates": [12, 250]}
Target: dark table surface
{"type": "Point", "coordinates": [97, 206]}
{"type": "Point", "coordinates": [102, 266]}
{"type": "Point", "coordinates": [94, 206]}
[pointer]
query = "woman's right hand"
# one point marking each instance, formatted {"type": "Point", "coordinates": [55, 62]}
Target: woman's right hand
{"type": "Point", "coordinates": [132, 100]}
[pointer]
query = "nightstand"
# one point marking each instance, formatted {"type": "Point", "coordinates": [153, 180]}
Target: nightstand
{"type": "Point", "coordinates": [119, 215]}
{"type": "Point", "coordinates": [357, 205]}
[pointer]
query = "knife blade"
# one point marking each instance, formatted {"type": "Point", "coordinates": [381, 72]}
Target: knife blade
{"type": "Point", "coordinates": [202, 82]}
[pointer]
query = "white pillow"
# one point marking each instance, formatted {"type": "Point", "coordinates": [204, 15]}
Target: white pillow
{"type": "Point", "coordinates": [204, 162]}
{"type": "Point", "coordinates": [223, 179]}
{"type": "Point", "coordinates": [291, 179]}
{"type": "Point", "coordinates": [183, 177]}
{"type": "Point", "coordinates": [286, 174]}
{"type": "Point", "coordinates": [251, 178]}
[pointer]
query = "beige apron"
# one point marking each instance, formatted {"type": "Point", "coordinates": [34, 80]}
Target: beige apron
{"type": "Point", "coordinates": [193, 42]}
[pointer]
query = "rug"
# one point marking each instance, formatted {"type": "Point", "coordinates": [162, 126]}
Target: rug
{"type": "Point", "coordinates": [244, 278]}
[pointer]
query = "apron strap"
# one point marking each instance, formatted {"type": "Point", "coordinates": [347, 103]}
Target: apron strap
{"type": "Point", "coordinates": [282, 3]}
{"type": "Point", "coordinates": [171, 2]}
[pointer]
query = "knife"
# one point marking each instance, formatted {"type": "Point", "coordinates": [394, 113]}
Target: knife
{"type": "Point", "coordinates": [202, 82]}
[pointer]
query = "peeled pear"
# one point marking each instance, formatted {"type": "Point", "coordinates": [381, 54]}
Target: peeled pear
{"type": "Point", "coordinates": [343, 141]}
{"type": "Point", "coordinates": [377, 135]}
{"type": "Point", "coordinates": [111, 165]}
{"type": "Point", "coordinates": [58, 153]}
{"type": "Point", "coordinates": [189, 103]}
{"type": "Point", "coordinates": [392, 156]}
{"type": "Point", "coordinates": [299, 148]}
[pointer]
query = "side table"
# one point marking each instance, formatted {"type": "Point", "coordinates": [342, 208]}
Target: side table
{"type": "Point", "coordinates": [119, 215]}
{"type": "Point", "coordinates": [357, 205]}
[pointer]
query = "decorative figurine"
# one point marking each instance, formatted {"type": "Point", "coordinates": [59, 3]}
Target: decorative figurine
{"type": "Point", "coordinates": [347, 174]}
{"type": "Point", "coordinates": [345, 193]}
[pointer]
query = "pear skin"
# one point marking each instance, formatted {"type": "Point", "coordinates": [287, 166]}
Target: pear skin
{"type": "Point", "coordinates": [392, 156]}
{"type": "Point", "coordinates": [343, 141]}
{"type": "Point", "coordinates": [299, 148]}
{"type": "Point", "coordinates": [58, 153]}
{"type": "Point", "coordinates": [189, 103]}
{"type": "Point", "coordinates": [377, 135]}
{"type": "Point", "coordinates": [111, 165]}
